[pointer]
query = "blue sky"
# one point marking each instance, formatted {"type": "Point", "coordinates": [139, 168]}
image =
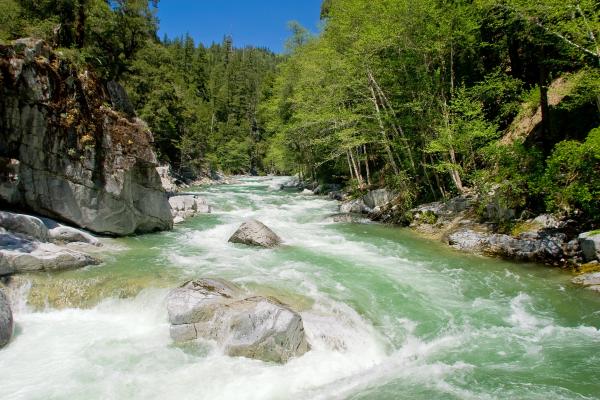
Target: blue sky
{"type": "Point", "coordinates": [250, 22]}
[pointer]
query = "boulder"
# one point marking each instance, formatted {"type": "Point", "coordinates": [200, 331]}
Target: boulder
{"type": "Point", "coordinates": [292, 183]}
{"type": "Point", "coordinates": [43, 229]}
{"type": "Point", "coordinates": [308, 192]}
{"type": "Point", "coordinates": [546, 221]}
{"type": "Point", "coordinates": [188, 205]}
{"type": "Point", "coordinates": [67, 234]}
{"type": "Point", "coordinates": [590, 245]}
{"type": "Point", "coordinates": [543, 247]}
{"type": "Point", "coordinates": [356, 206]}
{"type": "Point", "coordinates": [246, 326]}
{"type": "Point", "coordinates": [79, 161]}
{"type": "Point", "coordinates": [21, 254]}
{"type": "Point", "coordinates": [591, 279]}
{"type": "Point", "coordinates": [6, 320]}
{"type": "Point", "coordinates": [255, 233]}
{"type": "Point", "coordinates": [378, 198]}
{"type": "Point", "coordinates": [469, 240]}
{"type": "Point", "coordinates": [24, 224]}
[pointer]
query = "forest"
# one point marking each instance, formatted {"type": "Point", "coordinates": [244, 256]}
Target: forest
{"type": "Point", "coordinates": [430, 98]}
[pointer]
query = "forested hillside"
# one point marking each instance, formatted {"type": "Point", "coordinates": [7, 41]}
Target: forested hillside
{"type": "Point", "coordinates": [437, 98]}
{"type": "Point", "coordinates": [200, 102]}
{"type": "Point", "coordinates": [429, 98]}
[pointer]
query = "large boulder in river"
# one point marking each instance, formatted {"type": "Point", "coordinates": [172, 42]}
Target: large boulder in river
{"type": "Point", "coordinates": [6, 319]}
{"type": "Point", "coordinates": [72, 157]}
{"type": "Point", "coordinates": [590, 245]}
{"type": "Point", "coordinates": [247, 326]}
{"type": "Point", "coordinates": [255, 233]}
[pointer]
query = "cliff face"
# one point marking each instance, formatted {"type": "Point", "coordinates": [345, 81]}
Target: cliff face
{"type": "Point", "coordinates": [67, 154]}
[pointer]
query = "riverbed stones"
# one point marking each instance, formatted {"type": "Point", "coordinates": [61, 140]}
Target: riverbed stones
{"type": "Point", "coordinates": [255, 233]}
{"type": "Point", "coordinates": [590, 245]}
{"type": "Point", "coordinates": [242, 325]}
{"type": "Point", "coordinates": [6, 319]}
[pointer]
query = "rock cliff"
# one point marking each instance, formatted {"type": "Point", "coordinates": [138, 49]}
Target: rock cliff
{"type": "Point", "coordinates": [67, 154]}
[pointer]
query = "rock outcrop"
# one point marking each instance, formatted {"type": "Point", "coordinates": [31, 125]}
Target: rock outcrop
{"type": "Point", "coordinates": [247, 326]}
{"type": "Point", "coordinates": [68, 155]}
{"type": "Point", "coordinates": [6, 320]}
{"type": "Point", "coordinates": [255, 233]}
{"type": "Point", "coordinates": [187, 205]}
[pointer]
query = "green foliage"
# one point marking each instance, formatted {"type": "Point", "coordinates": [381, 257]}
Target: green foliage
{"type": "Point", "coordinates": [202, 103]}
{"type": "Point", "coordinates": [511, 176]}
{"type": "Point", "coordinates": [572, 177]}
{"type": "Point", "coordinates": [10, 23]}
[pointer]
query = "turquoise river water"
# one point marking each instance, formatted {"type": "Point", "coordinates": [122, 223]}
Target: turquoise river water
{"type": "Point", "coordinates": [388, 315]}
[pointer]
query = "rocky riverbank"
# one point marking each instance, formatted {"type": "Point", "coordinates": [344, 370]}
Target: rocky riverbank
{"type": "Point", "coordinates": [466, 224]}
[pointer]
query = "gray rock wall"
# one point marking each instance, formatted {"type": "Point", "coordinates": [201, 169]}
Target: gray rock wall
{"type": "Point", "coordinates": [79, 160]}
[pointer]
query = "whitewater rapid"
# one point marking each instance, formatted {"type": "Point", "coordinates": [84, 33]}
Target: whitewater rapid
{"type": "Point", "coordinates": [388, 316]}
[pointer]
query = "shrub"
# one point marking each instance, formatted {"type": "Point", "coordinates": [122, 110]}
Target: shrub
{"type": "Point", "coordinates": [572, 177]}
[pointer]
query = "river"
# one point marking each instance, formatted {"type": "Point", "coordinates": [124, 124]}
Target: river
{"type": "Point", "coordinates": [388, 315]}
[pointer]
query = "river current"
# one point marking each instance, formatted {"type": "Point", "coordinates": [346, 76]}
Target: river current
{"type": "Point", "coordinates": [388, 315]}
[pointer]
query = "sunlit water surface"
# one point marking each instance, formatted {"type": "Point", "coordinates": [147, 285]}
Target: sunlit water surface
{"type": "Point", "coordinates": [388, 316]}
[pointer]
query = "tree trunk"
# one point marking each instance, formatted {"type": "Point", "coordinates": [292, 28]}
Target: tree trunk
{"type": "Point", "coordinates": [384, 137]}
{"type": "Point", "coordinates": [349, 164]}
{"type": "Point", "coordinates": [80, 27]}
{"type": "Point", "coordinates": [367, 165]}
{"type": "Point", "coordinates": [359, 177]}
{"type": "Point", "coordinates": [398, 129]}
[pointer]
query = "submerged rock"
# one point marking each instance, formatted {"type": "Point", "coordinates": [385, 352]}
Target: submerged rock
{"type": "Point", "coordinates": [255, 233]}
{"type": "Point", "coordinates": [78, 160]}
{"type": "Point", "coordinates": [254, 327]}
{"type": "Point", "coordinates": [345, 218]}
{"type": "Point", "coordinates": [6, 320]}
